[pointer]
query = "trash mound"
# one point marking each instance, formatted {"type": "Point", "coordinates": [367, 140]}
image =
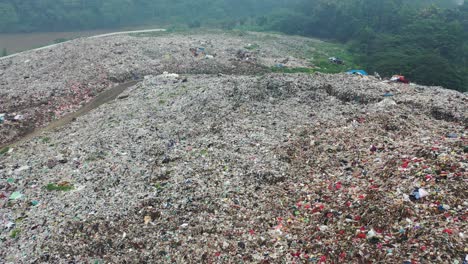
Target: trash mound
{"type": "Point", "coordinates": [255, 169]}
{"type": "Point", "coordinates": [45, 85]}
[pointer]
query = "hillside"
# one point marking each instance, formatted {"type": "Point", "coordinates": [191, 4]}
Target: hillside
{"type": "Point", "coordinates": [220, 161]}
{"type": "Point", "coordinates": [45, 85]}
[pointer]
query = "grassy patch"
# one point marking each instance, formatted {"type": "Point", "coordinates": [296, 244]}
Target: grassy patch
{"type": "Point", "coordinates": [324, 50]}
{"type": "Point", "coordinates": [203, 152]}
{"type": "Point", "coordinates": [62, 187]}
{"type": "Point", "coordinates": [45, 140]}
{"type": "Point", "coordinates": [292, 70]}
{"type": "Point", "coordinates": [4, 150]}
{"type": "Point", "coordinates": [15, 233]}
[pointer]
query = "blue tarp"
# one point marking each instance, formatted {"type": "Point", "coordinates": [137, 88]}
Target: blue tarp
{"type": "Point", "coordinates": [361, 72]}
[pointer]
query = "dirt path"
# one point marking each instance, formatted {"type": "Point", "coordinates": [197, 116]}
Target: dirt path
{"type": "Point", "coordinates": [99, 100]}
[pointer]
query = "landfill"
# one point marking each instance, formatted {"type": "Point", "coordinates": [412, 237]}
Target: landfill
{"type": "Point", "coordinates": [45, 85]}
{"type": "Point", "coordinates": [200, 164]}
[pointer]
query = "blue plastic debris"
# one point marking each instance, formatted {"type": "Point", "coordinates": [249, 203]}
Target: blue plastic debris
{"type": "Point", "coordinates": [358, 72]}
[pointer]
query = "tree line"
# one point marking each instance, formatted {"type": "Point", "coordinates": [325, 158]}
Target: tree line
{"type": "Point", "coordinates": [426, 41]}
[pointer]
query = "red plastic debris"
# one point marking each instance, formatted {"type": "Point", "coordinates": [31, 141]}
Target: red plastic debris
{"type": "Point", "coordinates": [361, 235]}
{"type": "Point", "coordinates": [448, 231]}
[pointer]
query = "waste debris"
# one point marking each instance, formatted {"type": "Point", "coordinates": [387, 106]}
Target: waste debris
{"type": "Point", "coordinates": [336, 60]}
{"type": "Point", "coordinates": [198, 52]}
{"type": "Point", "coordinates": [400, 79]}
{"type": "Point", "coordinates": [243, 168]}
{"type": "Point", "coordinates": [54, 89]}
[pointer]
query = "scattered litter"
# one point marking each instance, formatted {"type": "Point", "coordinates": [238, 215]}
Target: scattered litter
{"type": "Point", "coordinates": [16, 196]}
{"type": "Point", "coordinates": [418, 193]}
{"type": "Point", "coordinates": [400, 79]}
{"type": "Point", "coordinates": [336, 60]}
{"type": "Point", "coordinates": [170, 75]}
{"type": "Point", "coordinates": [386, 103]}
{"type": "Point", "coordinates": [198, 52]}
{"type": "Point", "coordinates": [10, 225]}
{"type": "Point", "coordinates": [245, 55]}
{"type": "Point", "coordinates": [18, 117]}
{"type": "Point", "coordinates": [377, 75]}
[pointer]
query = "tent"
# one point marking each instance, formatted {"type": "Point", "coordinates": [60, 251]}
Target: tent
{"type": "Point", "coordinates": [358, 72]}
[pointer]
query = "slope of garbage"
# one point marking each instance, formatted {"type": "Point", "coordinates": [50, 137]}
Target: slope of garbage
{"type": "Point", "coordinates": [40, 86]}
{"type": "Point", "coordinates": [244, 168]}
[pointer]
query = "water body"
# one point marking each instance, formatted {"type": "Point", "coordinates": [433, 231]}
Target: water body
{"type": "Point", "coordinates": [17, 42]}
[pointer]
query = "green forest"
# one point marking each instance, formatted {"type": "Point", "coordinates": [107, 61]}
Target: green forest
{"type": "Point", "coordinates": [425, 40]}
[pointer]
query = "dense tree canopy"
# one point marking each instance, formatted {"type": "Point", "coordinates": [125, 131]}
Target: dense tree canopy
{"type": "Point", "coordinates": [422, 40]}
{"type": "Point", "coordinates": [427, 40]}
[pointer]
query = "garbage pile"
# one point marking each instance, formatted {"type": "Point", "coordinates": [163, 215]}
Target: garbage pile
{"type": "Point", "coordinates": [271, 168]}
{"type": "Point", "coordinates": [244, 55]}
{"type": "Point", "coordinates": [44, 85]}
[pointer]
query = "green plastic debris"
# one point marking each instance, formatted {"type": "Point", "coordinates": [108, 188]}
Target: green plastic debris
{"type": "Point", "coordinates": [16, 196]}
{"type": "Point", "coordinates": [34, 203]}
{"type": "Point", "coordinates": [4, 150]}
{"type": "Point", "coordinates": [63, 186]}
{"type": "Point", "coordinates": [10, 180]}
